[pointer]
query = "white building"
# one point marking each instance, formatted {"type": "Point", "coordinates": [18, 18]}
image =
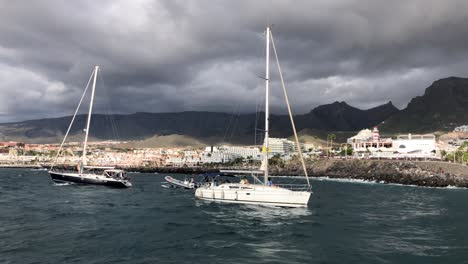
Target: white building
{"type": "Point", "coordinates": [362, 136]}
{"type": "Point", "coordinates": [281, 146]}
{"type": "Point", "coordinates": [244, 152]}
{"type": "Point", "coordinates": [415, 144]}
{"type": "Point", "coordinates": [461, 129]}
{"type": "Point", "coordinates": [228, 153]}
{"type": "Point", "coordinates": [368, 143]}
{"type": "Point", "coordinates": [216, 157]}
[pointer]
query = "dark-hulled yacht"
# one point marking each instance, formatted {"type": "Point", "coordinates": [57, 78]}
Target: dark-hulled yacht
{"type": "Point", "coordinates": [107, 176]}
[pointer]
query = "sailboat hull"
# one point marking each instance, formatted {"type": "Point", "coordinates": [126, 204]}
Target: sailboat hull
{"type": "Point", "coordinates": [88, 179]}
{"type": "Point", "coordinates": [254, 194]}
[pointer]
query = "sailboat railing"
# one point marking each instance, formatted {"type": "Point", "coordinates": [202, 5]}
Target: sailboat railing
{"type": "Point", "coordinates": [294, 187]}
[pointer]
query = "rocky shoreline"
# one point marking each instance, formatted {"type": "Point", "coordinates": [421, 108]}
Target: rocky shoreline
{"type": "Point", "coordinates": [421, 173]}
{"type": "Point", "coordinates": [430, 174]}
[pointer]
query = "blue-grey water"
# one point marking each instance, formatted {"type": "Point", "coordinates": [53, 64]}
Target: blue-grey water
{"type": "Point", "coordinates": [345, 223]}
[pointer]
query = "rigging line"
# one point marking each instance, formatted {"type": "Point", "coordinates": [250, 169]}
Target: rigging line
{"type": "Point", "coordinates": [227, 126]}
{"type": "Point", "coordinates": [236, 121]}
{"type": "Point", "coordinates": [71, 123]}
{"type": "Point", "coordinates": [256, 122]}
{"type": "Point", "coordinates": [226, 131]}
{"type": "Point", "coordinates": [109, 116]}
{"type": "Point", "coordinates": [258, 106]}
{"type": "Point", "coordinates": [260, 136]}
{"type": "Point", "coordinates": [289, 111]}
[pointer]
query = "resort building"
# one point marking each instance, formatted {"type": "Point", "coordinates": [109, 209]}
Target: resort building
{"type": "Point", "coordinates": [244, 152]}
{"type": "Point", "coordinates": [369, 144]}
{"type": "Point", "coordinates": [415, 144]}
{"type": "Point", "coordinates": [461, 129]}
{"type": "Point", "coordinates": [282, 146]}
{"type": "Point", "coordinates": [369, 141]}
{"type": "Point", "coordinates": [195, 158]}
{"type": "Point", "coordinates": [226, 153]}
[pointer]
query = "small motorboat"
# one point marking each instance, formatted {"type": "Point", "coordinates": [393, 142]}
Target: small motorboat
{"type": "Point", "coordinates": [187, 184]}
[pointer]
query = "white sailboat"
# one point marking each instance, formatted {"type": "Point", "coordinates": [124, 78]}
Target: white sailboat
{"type": "Point", "coordinates": [263, 193]}
{"type": "Point", "coordinates": [107, 176]}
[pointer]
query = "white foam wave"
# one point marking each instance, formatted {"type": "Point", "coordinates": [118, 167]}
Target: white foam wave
{"type": "Point", "coordinates": [361, 181]}
{"type": "Point", "coordinates": [326, 178]}
{"type": "Point", "coordinates": [62, 184]}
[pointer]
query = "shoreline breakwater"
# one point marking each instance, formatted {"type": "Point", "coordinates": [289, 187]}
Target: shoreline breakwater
{"type": "Point", "coordinates": [421, 173]}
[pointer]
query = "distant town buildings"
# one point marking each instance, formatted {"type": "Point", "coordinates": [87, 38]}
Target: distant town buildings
{"type": "Point", "coordinates": [108, 153]}
{"type": "Point", "coordinates": [214, 155]}
{"type": "Point", "coordinates": [365, 144]}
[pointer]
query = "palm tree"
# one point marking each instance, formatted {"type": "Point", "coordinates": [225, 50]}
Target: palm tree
{"type": "Point", "coordinates": [330, 137]}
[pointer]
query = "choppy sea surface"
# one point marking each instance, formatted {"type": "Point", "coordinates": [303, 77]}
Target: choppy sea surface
{"type": "Point", "coordinates": [346, 222]}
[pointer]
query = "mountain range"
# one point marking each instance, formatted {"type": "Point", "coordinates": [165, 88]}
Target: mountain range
{"type": "Point", "coordinates": [208, 126]}
{"type": "Point", "coordinates": [443, 106]}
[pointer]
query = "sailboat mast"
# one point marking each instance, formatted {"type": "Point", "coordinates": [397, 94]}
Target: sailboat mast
{"type": "Point", "coordinates": [267, 106]}
{"type": "Point", "coordinates": [83, 157]}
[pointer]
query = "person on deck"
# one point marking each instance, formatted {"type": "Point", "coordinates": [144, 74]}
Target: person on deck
{"type": "Point", "coordinates": [244, 180]}
{"type": "Point", "coordinates": [79, 167]}
{"type": "Point", "coordinates": [269, 182]}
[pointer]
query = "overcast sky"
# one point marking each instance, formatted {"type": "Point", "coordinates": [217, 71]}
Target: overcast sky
{"type": "Point", "coordinates": [164, 56]}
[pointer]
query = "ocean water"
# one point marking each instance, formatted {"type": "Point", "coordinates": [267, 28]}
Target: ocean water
{"type": "Point", "coordinates": [346, 222]}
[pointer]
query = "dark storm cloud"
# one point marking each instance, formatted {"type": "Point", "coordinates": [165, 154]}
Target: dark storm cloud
{"type": "Point", "coordinates": [160, 56]}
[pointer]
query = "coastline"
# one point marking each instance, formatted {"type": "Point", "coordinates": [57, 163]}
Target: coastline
{"type": "Point", "coordinates": [420, 173]}
{"type": "Point", "coordinates": [21, 166]}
